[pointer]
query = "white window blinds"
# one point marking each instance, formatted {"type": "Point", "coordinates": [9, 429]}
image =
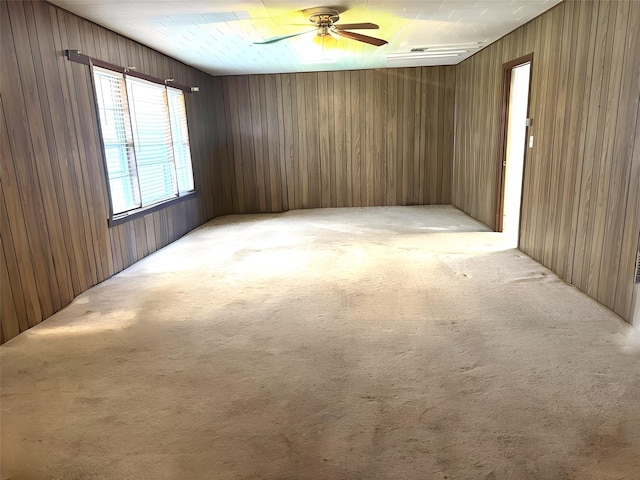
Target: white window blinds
{"type": "Point", "coordinates": [144, 131]}
{"type": "Point", "coordinates": [118, 140]}
{"type": "Point", "coordinates": [181, 152]}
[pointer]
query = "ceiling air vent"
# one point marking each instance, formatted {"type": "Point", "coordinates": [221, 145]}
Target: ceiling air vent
{"type": "Point", "coordinates": [435, 51]}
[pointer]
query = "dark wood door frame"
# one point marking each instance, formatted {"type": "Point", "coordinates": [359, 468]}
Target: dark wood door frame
{"type": "Point", "coordinates": [502, 140]}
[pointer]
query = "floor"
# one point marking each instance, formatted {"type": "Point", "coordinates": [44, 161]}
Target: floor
{"type": "Point", "coordinates": [377, 343]}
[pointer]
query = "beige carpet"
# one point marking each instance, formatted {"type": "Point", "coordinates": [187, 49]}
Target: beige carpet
{"type": "Point", "coordinates": [378, 343]}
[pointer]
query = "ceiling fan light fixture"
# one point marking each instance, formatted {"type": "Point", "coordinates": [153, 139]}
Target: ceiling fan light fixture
{"type": "Point", "coordinates": [326, 41]}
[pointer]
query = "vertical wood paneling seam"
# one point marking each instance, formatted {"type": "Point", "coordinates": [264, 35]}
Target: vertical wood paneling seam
{"type": "Point", "coordinates": [66, 78]}
{"type": "Point", "coordinates": [628, 244]}
{"type": "Point", "coordinates": [580, 209]}
{"type": "Point", "coordinates": [55, 160]}
{"type": "Point", "coordinates": [610, 284]}
{"type": "Point", "coordinates": [626, 205]}
{"type": "Point", "coordinates": [37, 181]}
{"type": "Point", "coordinates": [23, 323]}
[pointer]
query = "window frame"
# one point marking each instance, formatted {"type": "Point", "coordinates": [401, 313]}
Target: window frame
{"type": "Point", "coordinates": [123, 217]}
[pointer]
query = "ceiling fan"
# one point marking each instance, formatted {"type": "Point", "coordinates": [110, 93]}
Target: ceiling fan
{"type": "Point", "coordinates": [325, 20]}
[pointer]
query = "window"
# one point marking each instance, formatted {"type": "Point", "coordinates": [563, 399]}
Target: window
{"type": "Point", "coordinates": [146, 142]}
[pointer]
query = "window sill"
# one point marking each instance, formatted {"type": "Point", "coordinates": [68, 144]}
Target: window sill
{"type": "Point", "coordinates": [121, 218]}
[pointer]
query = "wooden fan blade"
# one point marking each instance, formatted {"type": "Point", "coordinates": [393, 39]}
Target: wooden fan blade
{"type": "Point", "coordinates": [281, 37]}
{"type": "Point", "coordinates": [357, 26]}
{"type": "Point", "coordinates": [378, 42]}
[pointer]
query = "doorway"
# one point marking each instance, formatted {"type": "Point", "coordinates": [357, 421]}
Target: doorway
{"type": "Point", "coordinates": [513, 143]}
{"type": "Point", "coordinates": [635, 309]}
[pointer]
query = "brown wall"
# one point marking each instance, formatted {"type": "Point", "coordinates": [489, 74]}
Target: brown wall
{"type": "Point", "coordinates": [54, 238]}
{"type": "Point", "coordinates": [263, 143]}
{"type": "Point", "coordinates": [338, 139]}
{"type": "Point", "coordinates": [269, 143]}
{"type": "Point", "coordinates": [581, 198]}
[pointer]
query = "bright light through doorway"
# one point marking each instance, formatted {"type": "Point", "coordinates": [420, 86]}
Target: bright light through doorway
{"type": "Point", "coordinates": [516, 133]}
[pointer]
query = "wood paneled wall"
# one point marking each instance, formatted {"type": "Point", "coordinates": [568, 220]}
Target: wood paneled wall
{"type": "Point", "coordinates": [54, 238]}
{"type": "Point", "coordinates": [265, 143]}
{"type": "Point", "coordinates": [340, 139]}
{"type": "Point", "coordinates": [270, 143]}
{"type": "Point", "coordinates": [581, 197]}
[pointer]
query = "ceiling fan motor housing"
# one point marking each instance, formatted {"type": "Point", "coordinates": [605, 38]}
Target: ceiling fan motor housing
{"type": "Point", "coordinates": [324, 19]}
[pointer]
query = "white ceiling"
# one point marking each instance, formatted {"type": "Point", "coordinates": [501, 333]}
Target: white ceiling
{"type": "Point", "coordinates": [217, 36]}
